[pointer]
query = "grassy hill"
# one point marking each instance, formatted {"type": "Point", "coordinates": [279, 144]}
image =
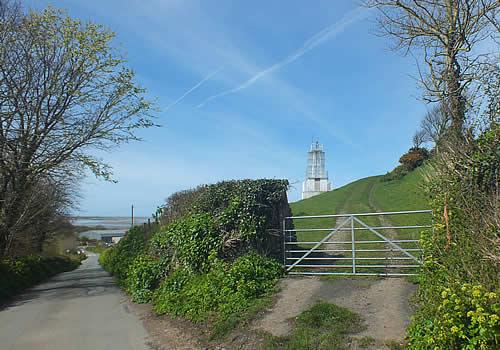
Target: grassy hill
{"type": "Point", "coordinates": [367, 195]}
{"type": "Point", "coordinates": [370, 194]}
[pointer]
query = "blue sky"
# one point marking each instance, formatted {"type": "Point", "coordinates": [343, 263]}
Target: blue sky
{"type": "Point", "coordinates": [265, 78]}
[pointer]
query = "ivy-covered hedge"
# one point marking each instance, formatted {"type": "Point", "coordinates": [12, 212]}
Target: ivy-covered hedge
{"type": "Point", "coordinates": [214, 256]}
{"type": "Point", "coordinates": [226, 289]}
{"type": "Point", "coordinates": [188, 241]}
{"type": "Point", "coordinates": [247, 214]}
{"type": "Point", "coordinates": [17, 274]}
{"type": "Point", "coordinates": [117, 259]}
{"type": "Point", "coordinates": [143, 277]}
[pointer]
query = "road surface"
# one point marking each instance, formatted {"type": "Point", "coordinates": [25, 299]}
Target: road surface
{"type": "Point", "coordinates": [80, 309]}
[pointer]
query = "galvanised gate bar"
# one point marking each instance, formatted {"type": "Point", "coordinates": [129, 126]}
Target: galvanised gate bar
{"type": "Point", "coordinates": [378, 244]}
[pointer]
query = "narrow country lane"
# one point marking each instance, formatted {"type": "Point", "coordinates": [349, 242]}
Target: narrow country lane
{"type": "Point", "coordinates": [81, 309]}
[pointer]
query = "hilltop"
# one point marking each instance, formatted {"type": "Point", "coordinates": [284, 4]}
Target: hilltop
{"type": "Point", "coordinates": [368, 195]}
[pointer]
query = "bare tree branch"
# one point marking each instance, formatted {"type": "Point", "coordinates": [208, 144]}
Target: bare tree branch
{"type": "Point", "coordinates": [446, 33]}
{"type": "Point", "coordinates": [64, 92]}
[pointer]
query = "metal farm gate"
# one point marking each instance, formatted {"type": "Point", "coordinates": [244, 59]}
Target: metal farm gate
{"type": "Point", "coordinates": [379, 244]}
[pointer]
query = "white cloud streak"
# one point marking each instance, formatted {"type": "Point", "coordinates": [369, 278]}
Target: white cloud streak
{"type": "Point", "coordinates": [316, 40]}
{"type": "Point", "coordinates": [201, 82]}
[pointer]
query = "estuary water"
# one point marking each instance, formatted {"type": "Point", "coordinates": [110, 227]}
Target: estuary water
{"type": "Point", "coordinates": [99, 225]}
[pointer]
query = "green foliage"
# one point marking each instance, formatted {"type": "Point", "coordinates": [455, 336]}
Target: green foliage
{"type": "Point", "coordinates": [192, 238]}
{"type": "Point", "coordinates": [324, 326]}
{"type": "Point", "coordinates": [409, 161]}
{"type": "Point", "coordinates": [227, 219]}
{"type": "Point", "coordinates": [17, 274]}
{"type": "Point", "coordinates": [117, 259]}
{"type": "Point", "coordinates": [210, 255]}
{"type": "Point", "coordinates": [466, 317]}
{"type": "Point", "coordinates": [179, 204]}
{"type": "Point", "coordinates": [396, 174]}
{"type": "Point", "coordinates": [245, 205]}
{"type": "Point", "coordinates": [414, 158]}
{"type": "Point", "coordinates": [143, 276]}
{"type": "Point", "coordinates": [458, 294]}
{"type": "Point", "coordinates": [224, 291]}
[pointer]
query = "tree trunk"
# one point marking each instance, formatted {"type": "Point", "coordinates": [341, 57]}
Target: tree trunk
{"type": "Point", "coordinates": [455, 101]}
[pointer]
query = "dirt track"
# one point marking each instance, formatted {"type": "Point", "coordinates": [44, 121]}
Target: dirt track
{"type": "Point", "coordinates": [383, 303]}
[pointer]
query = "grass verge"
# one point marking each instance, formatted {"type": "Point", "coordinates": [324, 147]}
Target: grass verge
{"type": "Point", "coordinates": [324, 326]}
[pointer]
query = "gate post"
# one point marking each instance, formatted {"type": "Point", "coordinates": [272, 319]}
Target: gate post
{"type": "Point", "coordinates": [353, 246]}
{"type": "Point", "coordinates": [284, 242]}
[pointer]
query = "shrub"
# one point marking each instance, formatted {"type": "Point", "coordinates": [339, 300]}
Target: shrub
{"type": "Point", "coordinates": [228, 219]}
{"type": "Point", "coordinates": [225, 290]}
{"type": "Point", "coordinates": [409, 161]}
{"type": "Point", "coordinates": [143, 276]}
{"type": "Point", "coordinates": [459, 288]}
{"type": "Point", "coordinates": [179, 204]}
{"type": "Point", "coordinates": [467, 317]}
{"type": "Point", "coordinates": [414, 158]}
{"type": "Point", "coordinates": [215, 242]}
{"type": "Point", "coordinates": [116, 260]}
{"type": "Point", "coordinates": [192, 238]}
{"type": "Point", "coordinates": [17, 274]}
{"type": "Point", "coordinates": [397, 173]}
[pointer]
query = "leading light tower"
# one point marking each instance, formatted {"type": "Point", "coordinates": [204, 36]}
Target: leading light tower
{"type": "Point", "coordinates": [316, 175]}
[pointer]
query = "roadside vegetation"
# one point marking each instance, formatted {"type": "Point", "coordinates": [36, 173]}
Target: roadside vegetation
{"type": "Point", "coordinates": [21, 273]}
{"type": "Point", "coordinates": [459, 293]}
{"type": "Point", "coordinates": [78, 97]}
{"type": "Point", "coordinates": [212, 259]}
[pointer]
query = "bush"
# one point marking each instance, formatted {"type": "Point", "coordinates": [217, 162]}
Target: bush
{"type": "Point", "coordinates": [397, 173]}
{"type": "Point", "coordinates": [228, 219]}
{"type": "Point", "coordinates": [414, 158]}
{"type": "Point", "coordinates": [459, 289]}
{"type": "Point", "coordinates": [216, 241]}
{"type": "Point", "coordinates": [117, 259]}
{"type": "Point", "coordinates": [467, 317]}
{"type": "Point", "coordinates": [409, 161]}
{"type": "Point", "coordinates": [192, 238]}
{"type": "Point", "coordinates": [17, 274]}
{"type": "Point", "coordinates": [143, 276]}
{"type": "Point", "coordinates": [219, 294]}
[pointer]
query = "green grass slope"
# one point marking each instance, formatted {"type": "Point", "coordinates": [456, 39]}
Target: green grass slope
{"type": "Point", "coordinates": [403, 194]}
{"type": "Point", "coordinates": [367, 195]}
{"type": "Point", "coordinates": [370, 194]}
{"type": "Point", "coordinates": [349, 198]}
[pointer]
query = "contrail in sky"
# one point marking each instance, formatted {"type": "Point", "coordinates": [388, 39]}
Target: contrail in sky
{"type": "Point", "coordinates": [314, 41]}
{"type": "Point", "coordinates": [193, 88]}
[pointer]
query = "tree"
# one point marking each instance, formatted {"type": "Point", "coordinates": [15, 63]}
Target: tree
{"type": "Point", "coordinates": [446, 33]}
{"type": "Point", "coordinates": [435, 124]}
{"type": "Point", "coordinates": [418, 138]}
{"type": "Point", "coordinates": [64, 92]}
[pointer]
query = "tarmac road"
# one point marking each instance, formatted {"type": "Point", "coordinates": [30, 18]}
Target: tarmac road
{"type": "Point", "coordinates": [80, 309]}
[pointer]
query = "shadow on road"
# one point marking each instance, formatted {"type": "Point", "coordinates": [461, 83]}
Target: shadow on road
{"type": "Point", "coordinates": [87, 281]}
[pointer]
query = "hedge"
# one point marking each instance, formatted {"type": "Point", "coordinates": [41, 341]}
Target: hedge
{"type": "Point", "coordinates": [214, 257]}
{"type": "Point", "coordinates": [17, 274]}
